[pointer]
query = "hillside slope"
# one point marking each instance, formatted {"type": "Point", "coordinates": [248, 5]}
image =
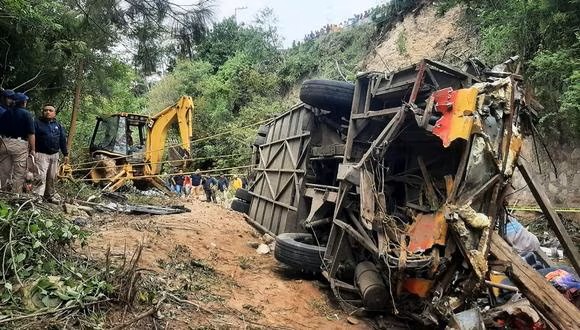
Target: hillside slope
{"type": "Point", "coordinates": [423, 34]}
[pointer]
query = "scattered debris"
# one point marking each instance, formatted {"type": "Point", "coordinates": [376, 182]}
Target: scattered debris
{"type": "Point", "coordinates": [267, 238]}
{"type": "Point", "coordinates": [263, 249]}
{"type": "Point", "coordinates": [253, 245]}
{"type": "Point", "coordinates": [352, 320]}
{"type": "Point", "coordinates": [135, 208]}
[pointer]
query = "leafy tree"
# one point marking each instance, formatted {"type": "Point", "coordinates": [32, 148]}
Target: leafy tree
{"type": "Point", "coordinates": [259, 41]}
{"type": "Point", "coordinates": [545, 34]}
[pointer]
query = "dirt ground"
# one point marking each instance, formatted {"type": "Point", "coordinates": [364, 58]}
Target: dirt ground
{"type": "Point", "coordinates": [242, 289]}
{"type": "Point", "coordinates": [424, 34]}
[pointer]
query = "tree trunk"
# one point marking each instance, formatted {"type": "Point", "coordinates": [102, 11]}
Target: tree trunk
{"type": "Point", "coordinates": [76, 103]}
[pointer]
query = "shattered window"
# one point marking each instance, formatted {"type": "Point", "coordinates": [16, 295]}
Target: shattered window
{"type": "Point", "coordinates": [481, 166]}
{"type": "Point", "coordinates": [121, 137]}
{"type": "Point", "coordinates": [106, 134]}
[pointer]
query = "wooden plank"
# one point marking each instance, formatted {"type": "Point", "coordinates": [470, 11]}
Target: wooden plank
{"type": "Point", "coordinates": [430, 191]}
{"type": "Point", "coordinates": [367, 198]}
{"type": "Point", "coordinates": [553, 219]}
{"type": "Point", "coordinates": [551, 303]}
{"type": "Point", "coordinates": [418, 82]}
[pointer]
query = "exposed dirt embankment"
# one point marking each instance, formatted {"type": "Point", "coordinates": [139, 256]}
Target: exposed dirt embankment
{"type": "Point", "coordinates": [205, 257]}
{"type": "Point", "coordinates": [423, 34]}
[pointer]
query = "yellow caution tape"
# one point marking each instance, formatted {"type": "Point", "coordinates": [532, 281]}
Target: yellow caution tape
{"type": "Point", "coordinates": [538, 209]}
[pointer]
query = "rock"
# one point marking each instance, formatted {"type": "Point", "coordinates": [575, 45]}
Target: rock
{"type": "Point", "coordinates": [70, 209]}
{"type": "Point", "coordinates": [352, 320]}
{"type": "Point", "coordinates": [81, 222]}
{"type": "Point", "coordinates": [253, 245]}
{"type": "Point", "coordinates": [272, 246]}
{"type": "Point", "coordinates": [563, 180]}
{"type": "Point", "coordinates": [553, 189]}
{"type": "Point", "coordinates": [267, 238]}
{"type": "Point", "coordinates": [263, 249]}
{"type": "Point", "coordinates": [576, 180]}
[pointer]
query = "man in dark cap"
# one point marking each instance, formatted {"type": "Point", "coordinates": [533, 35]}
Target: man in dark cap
{"type": "Point", "coordinates": [209, 185]}
{"type": "Point", "coordinates": [50, 139]}
{"type": "Point", "coordinates": [16, 143]}
{"type": "Point", "coordinates": [6, 101]}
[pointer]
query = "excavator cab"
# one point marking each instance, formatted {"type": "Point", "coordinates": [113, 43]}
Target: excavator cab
{"type": "Point", "coordinates": [120, 135]}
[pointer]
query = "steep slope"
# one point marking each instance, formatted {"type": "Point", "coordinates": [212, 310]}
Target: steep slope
{"type": "Point", "coordinates": [423, 34]}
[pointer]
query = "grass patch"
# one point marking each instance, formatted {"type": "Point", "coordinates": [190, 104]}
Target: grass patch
{"type": "Point", "coordinates": [321, 307]}
{"type": "Point", "coordinates": [401, 43]}
{"type": "Point", "coordinates": [183, 276]}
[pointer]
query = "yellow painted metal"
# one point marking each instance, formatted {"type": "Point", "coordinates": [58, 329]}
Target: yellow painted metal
{"type": "Point", "coordinates": [458, 110]}
{"type": "Point", "coordinates": [462, 114]}
{"type": "Point", "coordinates": [159, 124]}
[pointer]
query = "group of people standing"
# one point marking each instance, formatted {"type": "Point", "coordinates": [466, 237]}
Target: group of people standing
{"type": "Point", "coordinates": [214, 188]}
{"type": "Point", "coordinates": [24, 139]}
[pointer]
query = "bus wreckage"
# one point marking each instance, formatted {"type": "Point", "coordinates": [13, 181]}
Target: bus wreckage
{"type": "Point", "coordinates": [393, 188]}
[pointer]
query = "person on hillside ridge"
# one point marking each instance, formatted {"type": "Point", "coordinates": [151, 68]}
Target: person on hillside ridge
{"type": "Point", "coordinates": [17, 142]}
{"type": "Point", "coordinates": [223, 185]}
{"type": "Point", "coordinates": [6, 101]}
{"type": "Point", "coordinates": [177, 181]}
{"type": "Point", "coordinates": [51, 138]}
{"type": "Point", "coordinates": [187, 185]}
{"type": "Point", "coordinates": [209, 187]}
{"type": "Point", "coordinates": [236, 183]}
{"type": "Point", "coordinates": [196, 183]}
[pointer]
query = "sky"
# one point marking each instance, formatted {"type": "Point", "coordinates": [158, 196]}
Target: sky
{"type": "Point", "coordinates": [296, 18]}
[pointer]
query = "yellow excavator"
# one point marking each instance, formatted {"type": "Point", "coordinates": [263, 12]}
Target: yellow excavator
{"type": "Point", "coordinates": [131, 147]}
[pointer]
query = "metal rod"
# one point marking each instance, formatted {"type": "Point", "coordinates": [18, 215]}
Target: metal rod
{"type": "Point", "coordinates": [502, 286]}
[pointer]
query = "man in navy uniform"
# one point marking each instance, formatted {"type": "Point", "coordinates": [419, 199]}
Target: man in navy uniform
{"type": "Point", "coordinates": [50, 139]}
{"type": "Point", "coordinates": [17, 141]}
{"type": "Point", "coordinates": [6, 101]}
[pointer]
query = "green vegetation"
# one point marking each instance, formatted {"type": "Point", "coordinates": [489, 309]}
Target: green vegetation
{"type": "Point", "coordinates": [546, 34]}
{"type": "Point", "coordinates": [39, 270]}
{"type": "Point", "coordinates": [239, 74]}
{"type": "Point", "coordinates": [402, 43]}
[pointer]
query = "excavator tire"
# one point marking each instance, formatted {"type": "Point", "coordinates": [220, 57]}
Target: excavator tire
{"type": "Point", "coordinates": [299, 251]}
{"type": "Point", "coordinates": [328, 95]}
{"type": "Point", "coordinates": [263, 130]}
{"type": "Point", "coordinates": [244, 195]}
{"type": "Point", "coordinates": [259, 140]}
{"type": "Point", "coordinates": [240, 206]}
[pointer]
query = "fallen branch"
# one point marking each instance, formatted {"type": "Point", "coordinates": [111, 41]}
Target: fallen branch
{"type": "Point", "coordinates": [23, 317]}
{"type": "Point", "coordinates": [196, 305]}
{"type": "Point", "coordinates": [143, 315]}
{"type": "Point", "coordinates": [29, 80]}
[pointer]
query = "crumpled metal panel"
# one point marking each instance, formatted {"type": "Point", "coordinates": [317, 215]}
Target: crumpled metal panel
{"type": "Point", "coordinates": [514, 152]}
{"type": "Point", "coordinates": [426, 231]}
{"type": "Point", "coordinates": [457, 108]}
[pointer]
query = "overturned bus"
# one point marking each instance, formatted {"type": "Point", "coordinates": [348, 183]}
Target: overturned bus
{"type": "Point", "coordinates": [393, 188]}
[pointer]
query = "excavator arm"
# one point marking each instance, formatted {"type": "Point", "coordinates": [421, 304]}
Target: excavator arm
{"type": "Point", "coordinates": [159, 125]}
